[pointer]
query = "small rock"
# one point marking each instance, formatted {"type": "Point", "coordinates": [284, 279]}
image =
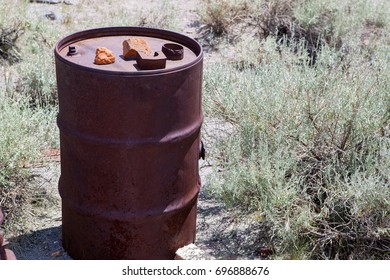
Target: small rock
{"type": "Point", "coordinates": [56, 254]}
{"type": "Point", "coordinates": [134, 45]}
{"type": "Point", "coordinates": [51, 16]}
{"type": "Point", "coordinates": [104, 56]}
{"type": "Point", "coordinates": [46, 1]}
{"type": "Point", "coordinates": [192, 252]}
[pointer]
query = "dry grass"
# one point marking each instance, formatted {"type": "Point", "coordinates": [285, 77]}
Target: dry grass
{"type": "Point", "coordinates": [9, 51]}
{"type": "Point", "coordinates": [310, 152]}
{"type": "Point", "coordinates": [311, 23]}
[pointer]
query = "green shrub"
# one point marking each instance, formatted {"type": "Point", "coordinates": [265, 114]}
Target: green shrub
{"type": "Point", "coordinates": [25, 134]}
{"type": "Point", "coordinates": [38, 82]}
{"type": "Point", "coordinates": [310, 148]}
{"type": "Point", "coordinates": [162, 16]}
{"type": "Point", "coordinates": [312, 22]}
{"type": "Point", "coordinates": [8, 36]}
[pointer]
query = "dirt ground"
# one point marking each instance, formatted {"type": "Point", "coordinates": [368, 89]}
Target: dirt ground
{"type": "Point", "coordinates": [222, 233]}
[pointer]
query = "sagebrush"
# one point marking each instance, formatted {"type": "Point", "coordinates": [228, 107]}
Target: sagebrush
{"type": "Point", "coordinates": [310, 148]}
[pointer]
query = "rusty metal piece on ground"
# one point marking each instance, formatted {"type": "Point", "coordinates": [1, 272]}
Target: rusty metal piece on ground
{"type": "Point", "coordinates": [129, 147]}
{"type": "Point", "coordinates": [148, 62]}
{"type": "Point", "coordinates": [133, 46]}
{"type": "Point", "coordinates": [10, 255]}
{"type": "Point", "coordinates": [5, 254]}
{"type": "Point", "coordinates": [173, 51]}
{"type": "Point", "coordinates": [104, 56]}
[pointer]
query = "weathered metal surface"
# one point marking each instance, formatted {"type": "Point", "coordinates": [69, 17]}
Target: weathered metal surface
{"type": "Point", "coordinates": [86, 49]}
{"type": "Point", "coordinates": [156, 61]}
{"type": "Point", "coordinates": [129, 148]}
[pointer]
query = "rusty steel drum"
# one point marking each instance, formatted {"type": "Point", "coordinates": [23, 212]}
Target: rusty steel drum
{"type": "Point", "coordinates": [130, 143]}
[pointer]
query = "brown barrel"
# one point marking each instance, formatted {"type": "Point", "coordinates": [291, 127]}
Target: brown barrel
{"type": "Point", "coordinates": [129, 146]}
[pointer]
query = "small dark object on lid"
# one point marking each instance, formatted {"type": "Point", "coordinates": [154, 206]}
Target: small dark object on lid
{"type": "Point", "coordinates": [72, 51]}
{"type": "Point", "coordinates": [148, 62]}
{"type": "Point", "coordinates": [173, 51]}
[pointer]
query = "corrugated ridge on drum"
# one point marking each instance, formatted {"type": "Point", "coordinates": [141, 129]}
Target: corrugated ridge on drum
{"type": "Point", "coordinates": [171, 137]}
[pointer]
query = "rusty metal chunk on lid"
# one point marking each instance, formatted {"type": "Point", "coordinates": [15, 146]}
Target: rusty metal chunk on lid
{"type": "Point", "coordinates": [173, 51]}
{"type": "Point", "coordinates": [113, 38]}
{"type": "Point", "coordinates": [146, 62]}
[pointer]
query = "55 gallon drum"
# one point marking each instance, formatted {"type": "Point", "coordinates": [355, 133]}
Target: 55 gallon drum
{"type": "Point", "coordinates": [129, 144]}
